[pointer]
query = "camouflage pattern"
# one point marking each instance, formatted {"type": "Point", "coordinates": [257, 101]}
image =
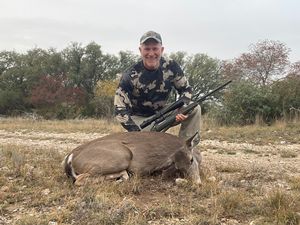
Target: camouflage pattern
{"type": "Point", "coordinates": [151, 35]}
{"type": "Point", "coordinates": [142, 92]}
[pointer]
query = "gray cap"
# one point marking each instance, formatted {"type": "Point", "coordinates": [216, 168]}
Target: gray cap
{"type": "Point", "coordinates": [151, 35]}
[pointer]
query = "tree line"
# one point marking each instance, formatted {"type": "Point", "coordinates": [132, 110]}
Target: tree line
{"type": "Point", "coordinates": [80, 81]}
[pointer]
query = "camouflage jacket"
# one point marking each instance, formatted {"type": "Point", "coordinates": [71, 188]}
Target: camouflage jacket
{"type": "Point", "coordinates": [142, 92]}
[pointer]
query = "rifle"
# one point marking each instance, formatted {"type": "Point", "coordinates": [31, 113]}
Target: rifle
{"type": "Point", "coordinates": [162, 122]}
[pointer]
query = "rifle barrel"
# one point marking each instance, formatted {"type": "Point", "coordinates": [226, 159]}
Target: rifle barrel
{"type": "Point", "coordinates": [213, 91]}
{"type": "Point", "coordinates": [172, 118]}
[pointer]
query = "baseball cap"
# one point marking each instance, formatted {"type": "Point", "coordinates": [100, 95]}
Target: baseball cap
{"type": "Point", "coordinates": [151, 35]}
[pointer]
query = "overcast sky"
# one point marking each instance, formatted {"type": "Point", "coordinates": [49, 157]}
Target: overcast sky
{"type": "Point", "coordinates": [222, 29]}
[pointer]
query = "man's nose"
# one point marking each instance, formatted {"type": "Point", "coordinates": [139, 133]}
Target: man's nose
{"type": "Point", "coordinates": [151, 52]}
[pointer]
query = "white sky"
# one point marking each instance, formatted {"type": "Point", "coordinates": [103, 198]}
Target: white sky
{"type": "Point", "coordinates": [222, 29]}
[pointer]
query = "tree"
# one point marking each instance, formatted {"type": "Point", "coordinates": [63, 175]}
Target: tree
{"type": "Point", "coordinates": [73, 58]}
{"type": "Point", "coordinates": [181, 58]}
{"type": "Point", "coordinates": [9, 64]}
{"type": "Point", "coordinates": [294, 70]}
{"type": "Point", "coordinates": [92, 67]}
{"type": "Point", "coordinates": [103, 103]}
{"type": "Point", "coordinates": [53, 98]}
{"type": "Point", "coordinates": [87, 65]}
{"type": "Point", "coordinates": [52, 90]}
{"type": "Point", "coordinates": [54, 63]}
{"type": "Point", "coordinates": [266, 62]}
{"type": "Point", "coordinates": [286, 93]}
{"type": "Point", "coordinates": [245, 102]}
{"type": "Point", "coordinates": [111, 67]}
{"type": "Point", "coordinates": [20, 72]}
{"type": "Point", "coordinates": [203, 73]}
{"type": "Point", "coordinates": [10, 100]}
{"type": "Point", "coordinates": [7, 60]}
{"type": "Point", "coordinates": [126, 60]}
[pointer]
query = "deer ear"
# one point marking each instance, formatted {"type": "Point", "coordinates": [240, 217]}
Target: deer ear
{"type": "Point", "coordinates": [192, 141]}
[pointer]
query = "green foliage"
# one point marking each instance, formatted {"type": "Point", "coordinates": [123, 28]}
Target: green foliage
{"type": "Point", "coordinates": [202, 71]}
{"type": "Point", "coordinates": [91, 67]}
{"type": "Point", "coordinates": [100, 107]}
{"type": "Point", "coordinates": [88, 65]}
{"type": "Point", "coordinates": [244, 102]}
{"type": "Point", "coordinates": [10, 101]}
{"type": "Point", "coordinates": [80, 80]}
{"type": "Point", "coordinates": [7, 60]}
{"type": "Point", "coordinates": [286, 93]}
{"type": "Point", "coordinates": [82, 67]}
{"type": "Point", "coordinates": [21, 72]}
{"type": "Point", "coordinates": [102, 104]}
{"type": "Point", "coordinates": [126, 59]}
{"type": "Point", "coordinates": [180, 58]}
{"type": "Point", "coordinates": [60, 111]}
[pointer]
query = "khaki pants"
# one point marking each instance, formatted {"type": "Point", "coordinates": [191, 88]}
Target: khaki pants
{"type": "Point", "coordinates": [188, 127]}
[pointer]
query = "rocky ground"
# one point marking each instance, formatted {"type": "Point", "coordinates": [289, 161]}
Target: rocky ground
{"type": "Point", "coordinates": [282, 157]}
{"type": "Point", "coordinates": [232, 165]}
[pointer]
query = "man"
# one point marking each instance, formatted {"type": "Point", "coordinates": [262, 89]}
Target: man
{"type": "Point", "coordinates": [145, 87]}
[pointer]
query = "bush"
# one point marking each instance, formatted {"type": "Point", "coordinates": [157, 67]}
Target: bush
{"type": "Point", "coordinates": [53, 99]}
{"type": "Point", "coordinates": [286, 93]}
{"type": "Point", "coordinates": [101, 106]}
{"type": "Point", "coordinates": [59, 111]}
{"type": "Point", "coordinates": [10, 100]}
{"type": "Point", "coordinates": [245, 102]}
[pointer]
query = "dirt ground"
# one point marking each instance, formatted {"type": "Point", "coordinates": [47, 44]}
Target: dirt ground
{"type": "Point", "coordinates": [231, 164]}
{"type": "Point", "coordinates": [215, 153]}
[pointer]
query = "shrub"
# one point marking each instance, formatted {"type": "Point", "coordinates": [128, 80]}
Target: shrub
{"type": "Point", "coordinates": [102, 104]}
{"type": "Point", "coordinates": [53, 98]}
{"type": "Point", "coordinates": [10, 100]}
{"type": "Point", "coordinates": [286, 93]}
{"type": "Point", "coordinates": [245, 102]}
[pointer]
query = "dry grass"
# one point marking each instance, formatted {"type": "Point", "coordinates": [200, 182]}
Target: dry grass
{"type": "Point", "coordinates": [280, 132]}
{"type": "Point", "coordinates": [62, 126]}
{"type": "Point", "coordinates": [240, 186]}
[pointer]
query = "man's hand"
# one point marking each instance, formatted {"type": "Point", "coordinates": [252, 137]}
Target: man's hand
{"type": "Point", "coordinates": [180, 117]}
{"type": "Point", "coordinates": [131, 126]}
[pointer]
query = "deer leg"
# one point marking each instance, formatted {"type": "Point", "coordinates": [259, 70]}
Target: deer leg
{"type": "Point", "coordinates": [84, 177]}
{"type": "Point", "coordinates": [81, 179]}
{"type": "Point", "coordinates": [169, 173]}
{"type": "Point", "coordinates": [120, 175]}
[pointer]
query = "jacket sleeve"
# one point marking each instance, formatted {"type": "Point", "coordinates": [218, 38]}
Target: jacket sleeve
{"type": "Point", "coordinates": [123, 106]}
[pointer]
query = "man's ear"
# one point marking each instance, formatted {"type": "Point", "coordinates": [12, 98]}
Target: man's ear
{"type": "Point", "coordinates": [190, 142]}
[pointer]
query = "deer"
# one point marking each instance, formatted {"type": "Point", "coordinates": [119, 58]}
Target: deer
{"type": "Point", "coordinates": [120, 155]}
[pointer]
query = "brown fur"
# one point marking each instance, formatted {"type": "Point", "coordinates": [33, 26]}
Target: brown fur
{"type": "Point", "coordinates": [140, 153]}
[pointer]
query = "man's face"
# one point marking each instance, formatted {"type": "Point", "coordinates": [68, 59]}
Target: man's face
{"type": "Point", "coordinates": [151, 52]}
